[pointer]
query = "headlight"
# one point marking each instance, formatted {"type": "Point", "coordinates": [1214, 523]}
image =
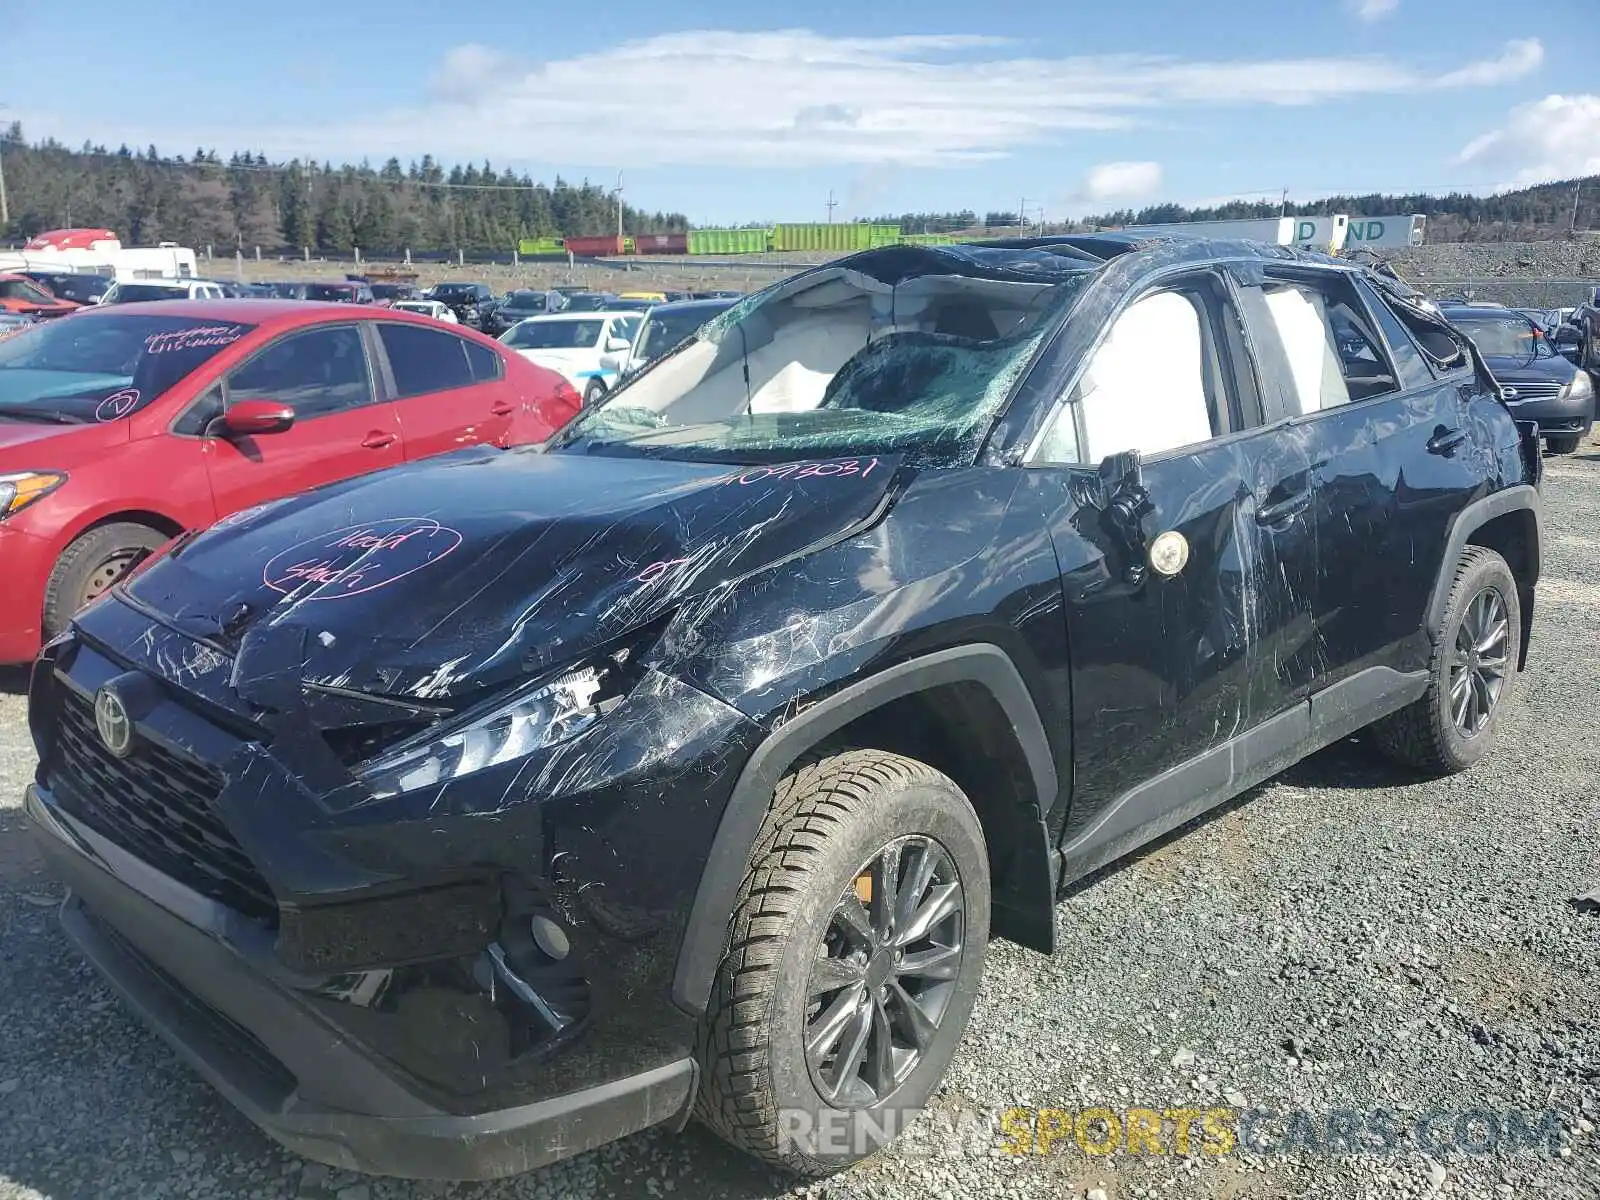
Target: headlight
{"type": "Point", "coordinates": [1580, 387]}
{"type": "Point", "coordinates": [551, 711]}
{"type": "Point", "coordinates": [21, 489]}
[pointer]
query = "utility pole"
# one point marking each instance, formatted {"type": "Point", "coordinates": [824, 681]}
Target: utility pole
{"type": "Point", "coordinates": [1283, 207]}
{"type": "Point", "coordinates": [5, 212]}
{"type": "Point", "coordinates": [1022, 216]}
{"type": "Point", "coordinates": [1572, 227]}
{"type": "Point", "coordinates": [618, 194]}
{"type": "Point", "coordinates": [832, 204]}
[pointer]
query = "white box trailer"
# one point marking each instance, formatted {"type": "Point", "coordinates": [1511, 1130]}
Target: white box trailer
{"type": "Point", "coordinates": [1386, 233]}
{"type": "Point", "coordinates": [1326, 234]}
{"type": "Point", "coordinates": [98, 251]}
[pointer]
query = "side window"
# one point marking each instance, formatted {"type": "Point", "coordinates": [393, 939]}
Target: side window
{"type": "Point", "coordinates": [315, 373]}
{"type": "Point", "coordinates": [486, 365]}
{"type": "Point", "coordinates": [425, 360]}
{"type": "Point", "coordinates": [1145, 388]}
{"type": "Point", "coordinates": [1334, 352]}
{"type": "Point", "coordinates": [1408, 360]}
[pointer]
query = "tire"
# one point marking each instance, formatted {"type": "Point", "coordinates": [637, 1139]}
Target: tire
{"type": "Point", "coordinates": [593, 393]}
{"type": "Point", "coordinates": [1563, 445]}
{"type": "Point", "coordinates": [91, 565]}
{"type": "Point", "coordinates": [1428, 734]}
{"type": "Point", "coordinates": [829, 824]}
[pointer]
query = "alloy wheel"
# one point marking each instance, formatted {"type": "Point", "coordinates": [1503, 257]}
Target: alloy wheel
{"type": "Point", "coordinates": [1478, 666]}
{"type": "Point", "coordinates": [884, 973]}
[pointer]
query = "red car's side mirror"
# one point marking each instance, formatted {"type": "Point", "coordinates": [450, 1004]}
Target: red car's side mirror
{"type": "Point", "coordinates": [252, 418]}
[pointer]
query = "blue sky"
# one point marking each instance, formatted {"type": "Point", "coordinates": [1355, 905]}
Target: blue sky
{"type": "Point", "coordinates": [755, 113]}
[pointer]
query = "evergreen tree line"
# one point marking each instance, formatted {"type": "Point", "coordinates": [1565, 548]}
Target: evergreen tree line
{"type": "Point", "coordinates": [246, 201]}
{"type": "Point", "coordinates": [1540, 213]}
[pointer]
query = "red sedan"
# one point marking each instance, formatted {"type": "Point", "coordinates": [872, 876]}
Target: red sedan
{"type": "Point", "coordinates": [127, 425]}
{"type": "Point", "coordinates": [19, 294]}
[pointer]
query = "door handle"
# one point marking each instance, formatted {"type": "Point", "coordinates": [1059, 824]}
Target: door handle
{"type": "Point", "coordinates": [1446, 441]}
{"type": "Point", "coordinates": [501, 408]}
{"type": "Point", "coordinates": [1283, 510]}
{"type": "Point", "coordinates": [378, 440]}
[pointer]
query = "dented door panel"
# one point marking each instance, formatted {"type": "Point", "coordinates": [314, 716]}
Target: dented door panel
{"type": "Point", "coordinates": [1167, 668]}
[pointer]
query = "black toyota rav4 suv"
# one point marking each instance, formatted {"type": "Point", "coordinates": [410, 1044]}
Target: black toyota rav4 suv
{"type": "Point", "coordinates": [464, 816]}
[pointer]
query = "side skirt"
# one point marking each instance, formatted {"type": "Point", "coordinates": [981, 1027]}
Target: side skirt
{"type": "Point", "coordinates": [1160, 805]}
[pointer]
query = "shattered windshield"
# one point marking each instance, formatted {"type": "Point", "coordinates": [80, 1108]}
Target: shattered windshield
{"type": "Point", "coordinates": [909, 350]}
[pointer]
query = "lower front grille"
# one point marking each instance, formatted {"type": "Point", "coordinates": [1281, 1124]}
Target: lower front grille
{"type": "Point", "coordinates": [158, 806]}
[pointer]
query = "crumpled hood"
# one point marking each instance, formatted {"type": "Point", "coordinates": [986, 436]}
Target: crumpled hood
{"type": "Point", "coordinates": [447, 580]}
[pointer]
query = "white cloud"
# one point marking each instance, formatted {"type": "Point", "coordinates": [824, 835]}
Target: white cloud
{"type": "Point", "coordinates": [1122, 181]}
{"type": "Point", "coordinates": [1522, 57]}
{"type": "Point", "coordinates": [1374, 10]}
{"type": "Point", "coordinates": [1554, 138]}
{"type": "Point", "coordinates": [797, 98]}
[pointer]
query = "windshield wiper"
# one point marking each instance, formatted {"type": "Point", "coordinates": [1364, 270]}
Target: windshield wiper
{"type": "Point", "coordinates": [45, 416]}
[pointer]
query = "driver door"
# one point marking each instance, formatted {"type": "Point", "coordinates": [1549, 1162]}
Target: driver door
{"type": "Point", "coordinates": [1183, 531]}
{"type": "Point", "coordinates": [341, 428]}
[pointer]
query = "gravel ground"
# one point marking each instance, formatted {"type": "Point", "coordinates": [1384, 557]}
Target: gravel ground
{"type": "Point", "coordinates": [1345, 937]}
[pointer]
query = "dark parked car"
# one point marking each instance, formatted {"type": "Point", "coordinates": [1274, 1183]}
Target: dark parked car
{"type": "Point", "coordinates": [628, 304]}
{"type": "Point", "coordinates": [388, 293]}
{"type": "Point", "coordinates": [519, 306]}
{"type": "Point", "coordinates": [668, 326]}
{"type": "Point", "coordinates": [347, 292]}
{"type": "Point", "coordinates": [1539, 384]}
{"type": "Point", "coordinates": [471, 302]}
{"type": "Point", "coordinates": [80, 288]}
{"type": "Point", "coordinates": [479, 812]}
{"type": "Point", "coordinates": [587, 301]}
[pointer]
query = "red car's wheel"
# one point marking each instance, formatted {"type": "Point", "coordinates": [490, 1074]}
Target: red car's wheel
{"type": "Point", "coordinates": [92, 565]}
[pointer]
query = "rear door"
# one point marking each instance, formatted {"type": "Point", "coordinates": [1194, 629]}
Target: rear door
{"type": "Point", "coordinates": [342, 426]}
{"type": "Point", "coordinates": [1392, 459]}
{"type": "Point", "coordinates": [1182, 682]}
{"type": "Point", "coordinates": [449, 391]}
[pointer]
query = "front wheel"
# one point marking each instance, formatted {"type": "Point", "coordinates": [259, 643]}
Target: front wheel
{"type": "Point", "coordinates": [92, 565]}
{"type": "Point", "coordinates": [1475, 656]}
{"type": "Point", "coordinates": [1562, 445]}
{"type": "Point", "coordinates": [852, 963]}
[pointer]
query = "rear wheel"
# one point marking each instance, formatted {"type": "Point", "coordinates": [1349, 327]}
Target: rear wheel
{"type": "Point", "coordinates": [1562, 445]}
{"type": "Point", "coordinates": [92, 565]}
{"type": "Point", "coordinates": [1475, 657]}
{"type": "Point", "coordinates": [852, 963]}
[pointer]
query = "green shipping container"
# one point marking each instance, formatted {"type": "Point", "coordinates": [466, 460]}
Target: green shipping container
{"type": "Point", "coordinates": [729, 241]}
{"type": "Point", "coordinates": [545, 245]}
{"type": "Point", "coordinates": [928, 239]}
{"type": "Point", "coordinates": [843, 238]}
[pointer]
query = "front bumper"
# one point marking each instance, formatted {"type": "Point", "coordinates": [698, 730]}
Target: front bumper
{"type": "Point", "coordinates": [301, 1079]}
{"type": "Point", "coordinates": [27, 566]}
{"type": "Point", "coordinates": [1555, 416]}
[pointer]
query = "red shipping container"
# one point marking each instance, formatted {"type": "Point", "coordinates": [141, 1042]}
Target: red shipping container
{"type": "Point", "coordinates": [593, 247]}
{"type": "Point", "coordinates": [661, 243]}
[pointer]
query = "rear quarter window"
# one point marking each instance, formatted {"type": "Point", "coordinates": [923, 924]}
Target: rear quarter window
{"type": "Point", "coordinates": [487, 366]}
{"type": "Point", "coordinates": [425, 360]}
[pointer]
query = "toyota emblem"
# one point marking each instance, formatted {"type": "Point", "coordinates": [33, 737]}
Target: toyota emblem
{"type": "Point", "coordinates": [112, 721]}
